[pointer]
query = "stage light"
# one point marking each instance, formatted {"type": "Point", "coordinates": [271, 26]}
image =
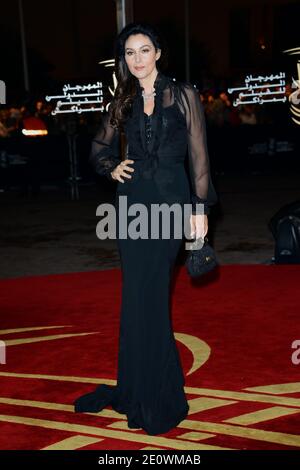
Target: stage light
{"type": "Point", "coordinates": [34, 132]}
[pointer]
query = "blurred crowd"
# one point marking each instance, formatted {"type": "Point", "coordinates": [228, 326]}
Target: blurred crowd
{"type": "Point", "coordinates": [218, 107]}
{"type": "Point", "coordinates": [220, 111]}
{"type": "Point", "coordinates": [13, 119]}
{"type": "Point", "coordinates": [20, 152]}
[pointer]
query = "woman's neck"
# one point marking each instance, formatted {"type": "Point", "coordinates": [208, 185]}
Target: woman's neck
{"type": "Point", "coordinates": [148, 82]}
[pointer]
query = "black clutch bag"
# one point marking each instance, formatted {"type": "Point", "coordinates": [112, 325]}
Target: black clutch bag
{"type": "Point", "coordinates": [201, 260]}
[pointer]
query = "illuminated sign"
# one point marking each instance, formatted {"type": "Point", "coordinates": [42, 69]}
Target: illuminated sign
{"type": "Point", "coordinates": [294, 97]}
{"type": "Point", "coordinates": [261, 89]}
{"type": "Point", "coordinates": [83, 98]}
{"type": "Point", "coordinates": [110, 63]}
{"type": "Point", "coordinates": [79, 99]}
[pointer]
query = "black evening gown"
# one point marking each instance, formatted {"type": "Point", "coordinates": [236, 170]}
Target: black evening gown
{"type": "Point", "coordinates": [150, 381]}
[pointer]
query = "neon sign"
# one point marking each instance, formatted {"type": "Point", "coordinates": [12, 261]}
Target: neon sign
{"type": "Point", "coordinates": [294, 97]}
{"type": "Point", "coordinates": [84, 98]}
{"type": "Point", "coordinates": [261, 89]}
{"type": "Point", "coordinates": [79, 99]}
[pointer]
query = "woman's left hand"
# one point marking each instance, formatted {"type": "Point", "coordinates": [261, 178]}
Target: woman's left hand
{"type": "Point", "coordinates": [199, 225]}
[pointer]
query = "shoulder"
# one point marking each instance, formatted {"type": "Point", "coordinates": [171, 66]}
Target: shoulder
{"type": "Point", "coordinates": [179, 86]}
{"type": "Point", "coordinates": [184, 85]}
{"type": "Point", "coordinates": [184, 88]}
{"type": "Point", "coordinates": [186, 93]}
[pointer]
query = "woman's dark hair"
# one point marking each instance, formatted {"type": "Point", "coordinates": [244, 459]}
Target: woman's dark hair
{"type": "Point", "coordinates": [126, 88]}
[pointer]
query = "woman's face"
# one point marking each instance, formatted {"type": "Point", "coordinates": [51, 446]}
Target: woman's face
{"type": "Point", "coordinates": [140, 55]}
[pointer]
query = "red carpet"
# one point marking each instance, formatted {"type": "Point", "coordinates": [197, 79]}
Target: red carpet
{"type": "Point", "coordinates": [234, 331]}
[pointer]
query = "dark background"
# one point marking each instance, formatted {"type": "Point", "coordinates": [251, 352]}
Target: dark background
{"type": "Point", "coordinates": [67, 39]}
{"type": "Point", "coordinates": [255, 166]}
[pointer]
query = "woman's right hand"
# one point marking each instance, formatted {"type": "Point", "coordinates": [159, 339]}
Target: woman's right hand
{"type": "Point", "coordinates": [119, 171]}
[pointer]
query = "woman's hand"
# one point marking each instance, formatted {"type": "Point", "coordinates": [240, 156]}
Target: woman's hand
{"type": "Point", "coordinates": [119, 171]}
{"type": "Point", "coordinates": [199, 225]}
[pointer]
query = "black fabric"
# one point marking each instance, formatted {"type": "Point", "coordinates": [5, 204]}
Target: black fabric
{"type": "Point", "coordinates": [148, 128]}
{"type": "Point", "coordinates": [178, 130]}
{"type": "Point", "coordinates": [150, 380]}
{"type": "Point", "coordinates": [201, 259]}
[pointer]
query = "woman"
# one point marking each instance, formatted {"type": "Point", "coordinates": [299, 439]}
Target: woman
{"type": "Point", "coordinates": [161, 119]}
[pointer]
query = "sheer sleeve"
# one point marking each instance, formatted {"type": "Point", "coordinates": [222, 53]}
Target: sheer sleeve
{"type": "Point", "coordinates": [203, 190]}
{"type": "Point", "coordinates": [105, 153]}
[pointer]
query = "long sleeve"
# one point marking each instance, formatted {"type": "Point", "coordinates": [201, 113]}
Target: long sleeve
{"type": "Point", "coordinates": [105, 154]}
{"type": "Point", "coordinates": [203, 190]}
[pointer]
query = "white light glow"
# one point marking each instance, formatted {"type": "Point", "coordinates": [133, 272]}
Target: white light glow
{"type": "Point", "coordinates": [34, 132]}
{"type": "Point", "coordinates": [261, 92]}
{"type": "Point", "coordinates": [69, 102]}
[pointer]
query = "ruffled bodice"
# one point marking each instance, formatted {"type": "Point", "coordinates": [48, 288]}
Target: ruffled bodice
{"type": "Point", "coordinates": [175, 130]}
